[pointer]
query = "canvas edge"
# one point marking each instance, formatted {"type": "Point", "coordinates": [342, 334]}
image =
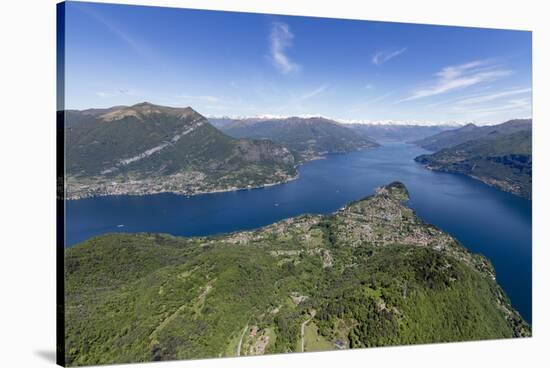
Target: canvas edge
{"type": "Point", "coordinates": [60, 178]}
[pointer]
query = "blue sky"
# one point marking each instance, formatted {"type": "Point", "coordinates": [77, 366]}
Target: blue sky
{"type": "Point", "coordinates": [240, 64]}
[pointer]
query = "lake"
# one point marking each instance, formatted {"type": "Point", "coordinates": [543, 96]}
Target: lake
{"type": "Point", "coordinates": [486, 220]}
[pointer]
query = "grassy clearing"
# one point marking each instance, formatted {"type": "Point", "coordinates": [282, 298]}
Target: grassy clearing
{"type": "Point", "coordinates": [313, 341]}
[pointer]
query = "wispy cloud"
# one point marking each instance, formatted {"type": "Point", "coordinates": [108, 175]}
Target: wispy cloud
{"type": "Point", "coordinates": [295, 103]}
{"type": "Point", "coordinates": [493, 96]}
{"type": "Point", "coordinates": [136, 45]}
{"type": "Point", "coordinates": [457, 77]}
{"type": "Point", "coordinates": [371, 103]}
{"type": "Point", "coordinates": [280, 40]}
{"type": "Point", "coordinates": [518, 104]}
{"type": "Point", "coordinates": [210, 104]}
{"type": "Point", "coordinates": [380, 57]}
{"type": "Point", "coordinates": [115, 93]}
{"type": "Point", "coordinates": [477, 98]}
{"type": "Point", "coordinates": [379, 98]}
{"type": "Point", "coordinates": [311, 94]}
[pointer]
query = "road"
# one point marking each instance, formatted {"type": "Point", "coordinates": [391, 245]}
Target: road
{"type": "Point", "coordinates": [241, 341]}
{"type": "Point", "coordinates": [303, 328]}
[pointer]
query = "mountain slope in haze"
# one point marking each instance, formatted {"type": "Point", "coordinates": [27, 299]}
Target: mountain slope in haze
{"type": "Point", "coordinates": [308, 137]}
{"type": "Point", "coordinates": [397, 132]}
{"type": "Point", "coordinates": [221, 122]}
{"type": "Point", "coordinates": [470, 132]}
{"type": "Point", "coordinates": [500, 160]}
{"type": "Point", "coordinates": [146, 148]}
{"type": "Point", "coordinates": [371, 274]}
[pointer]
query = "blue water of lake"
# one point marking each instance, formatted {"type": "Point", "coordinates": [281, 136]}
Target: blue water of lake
{"type": "Point", "coordinates": [486, 220]}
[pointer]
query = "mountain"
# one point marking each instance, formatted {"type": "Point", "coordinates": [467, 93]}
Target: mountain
{"type": "Point", "coordinates": [146, 148]}
{"type": "Point", "coordinates": [469, 132]}
{"type": "Point", "coordinates": [397, 132]}
{"type": "Point", "coordinates": [308, 137]}
{"type": "Point", "coordinates": [370, 274]}
{"type": "Point", "coordinates": [503, 160]}
{"type": "Point", "coordinates": [221, 122]}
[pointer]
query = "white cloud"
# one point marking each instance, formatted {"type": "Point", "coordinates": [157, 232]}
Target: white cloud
{"type": "Point", "coordinates": [380, 57]}
{"type": "Point", "coordinates": [457, 77]}
{"type": "Point", "coordinates": [115, 93]}
{"type": "Point", "coordinates": [519, 104]}
{"type": "Point", "coordinates": [313, 93]}
{"type": "Point", "coordinates": [138, 46]}
{"type": "Point", "coordinates": [295, 103]}
{"type": "Point", "coordinates": [371, 103]}
{"type": "Point", "coordinates": [281, 39]}
{"type": "Point", "coordinates": [379, 98]}
{"type": "Point", "coordinates": [496, 111]}
{"type": "Point", "coordinates": [493, 96]}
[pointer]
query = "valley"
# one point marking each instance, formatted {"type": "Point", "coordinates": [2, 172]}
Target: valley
{"type": "Point", "coordinates": [303, 266]}
{"type": "Point", "coordinates": [308, 138]}
{"type": "Point", "coordinates": [237, 184]}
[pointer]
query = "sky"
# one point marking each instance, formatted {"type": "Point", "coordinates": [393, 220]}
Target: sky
{"type": "Point", "coordinates": [243, 64]}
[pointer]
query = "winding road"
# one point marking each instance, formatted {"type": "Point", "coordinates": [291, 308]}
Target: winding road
{"type": "Point", "coordinates": [241, 341]}
{"type": "Point", "coordinates": [303, 331]}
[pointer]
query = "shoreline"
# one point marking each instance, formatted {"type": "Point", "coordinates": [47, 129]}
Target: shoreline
{"type": "Point", "coordinates": [237, 227]}
{"type": "Point", "coordinates": [186, 193]}
{"type": "Point", "coordinates": [457, 249]}
{"type": "Point", "coordinates": [232, 189]}
{"type": "Point", "coordinates": [490, 183]}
